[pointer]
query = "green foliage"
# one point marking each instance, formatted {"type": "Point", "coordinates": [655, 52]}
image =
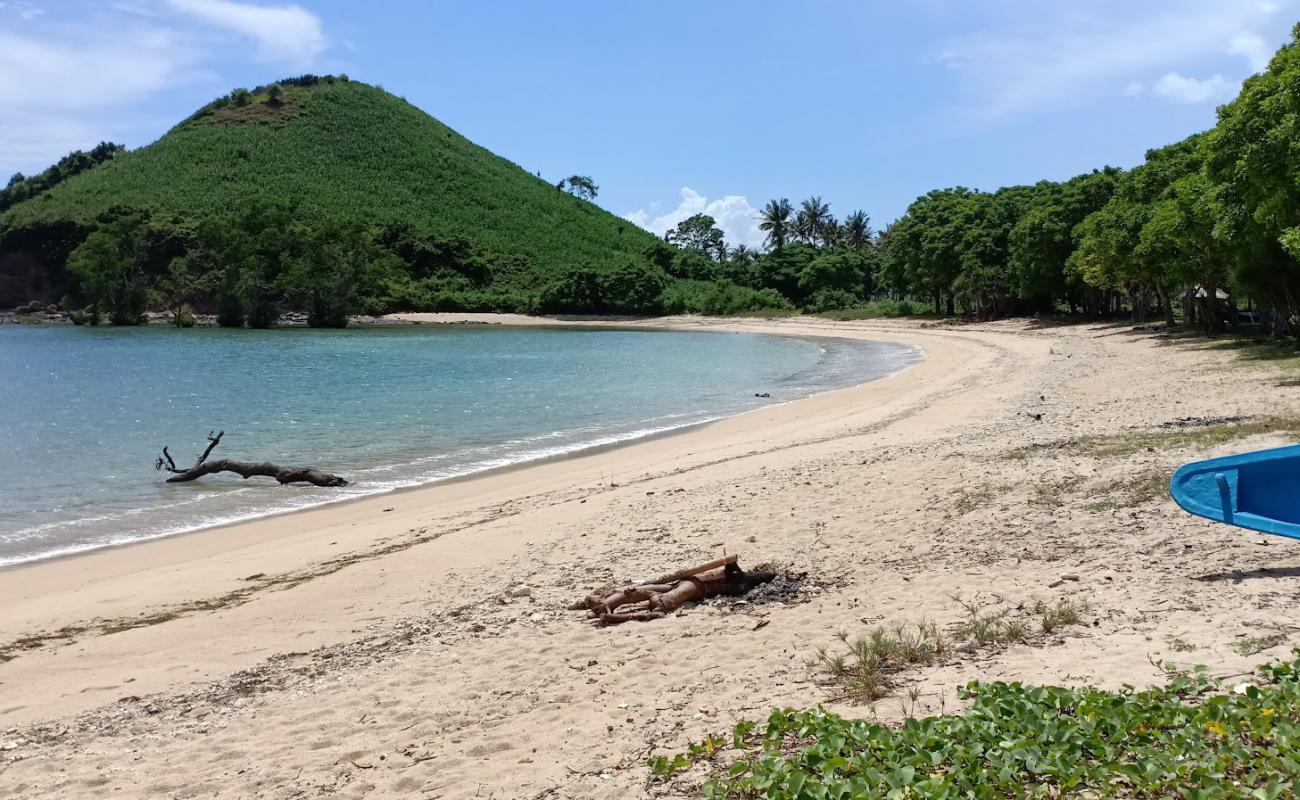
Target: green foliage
{"type": "Point", "coordinates": [335, 267]}
{"type": "Point", "coordinates": [1252, 160]}
{"type": "Point", "coordinates": [721, 298]}
{"type": "Point", "coordinates": [22, 188]}
{"type": "Point", "coordinates": [1185, 739]}
{"type": "Point", "coordinates": [1219, 210]}
{"type": "Point", "coordinates": [580, 186]}
{"type": "Point", "coordinates": [864, 672]}
{"type": "Point", "coordinates": [110, 265]}
{"type": "Point", "coordinates": [874, 310]}
{"type": "Point", "coordinates": [322, 151]}
{"type": "Point", "coordinates": [775, 220]}
{"type": "Point", "coordinates": [630, 288]}
{"type": "Point", "coordinates": [698, 234]}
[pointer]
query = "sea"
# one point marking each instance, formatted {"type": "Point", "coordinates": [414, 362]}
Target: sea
{"type": "Point", "coordinates": [85, 412]}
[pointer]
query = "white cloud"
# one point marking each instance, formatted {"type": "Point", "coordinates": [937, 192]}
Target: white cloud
{"type": "Point", "coordinates": [1251, 47]}
{"type": "Point", "coordinates": [86, 71]}
{"type": "Point", "coordinates": [282, 33]}
{"type": "Point", "coordinates": [69, 82]}
{"type": "Point", "coordinates": [733, 213]}
{"type": "Point", "coordinates": [1177, 87]}
{"type": "Point", "coordinates": [25, 11]}
{"type": "Point", "coordinates": [1034, 57]}
{"type": "Point", "coordinates": [1134, 88]}
{"type": "Point", "coordinates": [58, 91]}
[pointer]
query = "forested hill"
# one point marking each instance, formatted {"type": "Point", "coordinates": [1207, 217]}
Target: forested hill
{"type": "Point", "coordinates": [321, 164]}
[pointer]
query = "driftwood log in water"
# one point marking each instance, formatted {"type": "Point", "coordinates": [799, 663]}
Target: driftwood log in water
{"type": "Point", "coordinates": [203, 466]}
{"type": "Point", "coordinates": [667, 594]}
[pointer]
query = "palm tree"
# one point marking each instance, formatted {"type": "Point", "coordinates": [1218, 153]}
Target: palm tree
{"type": "Point", "coordinates": [832, 234]}
{"type": "Point", "coordinates": [775, 218]}
{"type": "Point", "coordinates": [811, 219]}
{"type": "Point", "coordinates": [742, 254]}
{"type": "Point", "coordinates": [857, 230]}
{"type": "Point", "coordinates": [720, 251]}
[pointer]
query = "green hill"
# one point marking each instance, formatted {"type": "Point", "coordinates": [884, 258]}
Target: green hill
{"type": "Point", "coordinates": [446, 222]}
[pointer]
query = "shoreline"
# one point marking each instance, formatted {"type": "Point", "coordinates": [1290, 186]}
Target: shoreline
{"type": "Point", "coordinates": [655, 324]}
{"type": "Point", "coordinates": [155, 577]}
{"type": "Point", "coordinates": [419, 641]}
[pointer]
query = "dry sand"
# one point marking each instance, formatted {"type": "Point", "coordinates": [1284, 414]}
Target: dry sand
{"type": "Point", "coordinates": [373, 649]}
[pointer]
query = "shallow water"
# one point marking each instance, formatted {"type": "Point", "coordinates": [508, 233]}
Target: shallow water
{"type": "Point", "coordinates": [86, 411]}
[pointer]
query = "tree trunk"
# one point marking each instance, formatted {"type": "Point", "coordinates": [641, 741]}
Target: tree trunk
{"type": "Point", "coordinates": [245, 469]}
{"type": "Point", "coordinates": [285, 475]}
{"type": "Point", "coordinates": [665, 596]}
{"type": "Point", "coordinates": [1209, 309]}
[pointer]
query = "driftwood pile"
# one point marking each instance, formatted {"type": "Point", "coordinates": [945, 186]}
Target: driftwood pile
{"type": "Point", "coordinates": [285, 475]}
{"type": "Point", "coordinates": [665, 595]}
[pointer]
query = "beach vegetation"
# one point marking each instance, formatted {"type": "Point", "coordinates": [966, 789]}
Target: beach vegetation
{"type": "Point", "coordinates": [1254, 645]}
{"type": "Point", "coordinates": [1053, 616]}
{"type": "Point", "coordinates": [1190, 737]}
{"type": "Point", "coordinates": [1192, 437]}
{"type": "Point", "coordinates": [988, 626]}
{"type": "Point", "coordinates": [864, 670]}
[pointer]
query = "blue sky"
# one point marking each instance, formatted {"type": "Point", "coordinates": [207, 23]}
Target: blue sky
{"type": "Point", "coordinates": [674, 106]}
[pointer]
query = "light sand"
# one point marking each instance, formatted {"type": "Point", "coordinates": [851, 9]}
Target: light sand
{"type": "Point", "coordinates": [370, 648]}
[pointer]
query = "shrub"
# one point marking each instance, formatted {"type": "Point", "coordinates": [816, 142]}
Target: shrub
{"type": "Point", "coordinates": [832, 300]}
{"type": "Point", "coordinates": [720, 298]}
{"type": "Point", "coordinates": [1185, 739]}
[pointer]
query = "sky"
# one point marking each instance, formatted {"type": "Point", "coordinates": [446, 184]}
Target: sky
{"type": "Point", "coordinates": [674, 106]}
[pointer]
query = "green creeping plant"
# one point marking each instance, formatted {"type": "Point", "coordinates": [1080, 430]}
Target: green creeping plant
{"type": "Point", "coordinates": [1191, 739]}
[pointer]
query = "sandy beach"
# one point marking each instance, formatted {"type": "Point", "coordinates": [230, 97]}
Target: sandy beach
{"type": "Point", "coordinates": [388, 647]}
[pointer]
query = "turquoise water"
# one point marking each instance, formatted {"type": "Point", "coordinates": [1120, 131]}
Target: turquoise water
{"type": "Point", "coordinates": [86, 411]}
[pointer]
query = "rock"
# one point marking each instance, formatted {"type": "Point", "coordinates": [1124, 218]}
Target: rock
{"type": "Point", "coordinates": [522, 590]}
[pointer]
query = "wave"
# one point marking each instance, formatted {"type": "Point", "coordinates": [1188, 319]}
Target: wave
{"type": "Point", "coordinates": [839, 365]}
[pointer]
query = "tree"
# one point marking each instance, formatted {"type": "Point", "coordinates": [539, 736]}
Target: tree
{"type": "Point", "coordinates": [182, 281]}
{"type": "Point", "coordinates": [928, 240]}
{"type": "Point", "coordinates": [110, 266]}
{"type": "Point", "coordinates": [338, 265]}
{"type": "Point", "coordinates": [775, 220]}
{"type": "Point", "coordinates": [698, 233]}
{"type": "Point", "coordinates": [632, 288]}
{"type": "Point", "coordinates": [627, 288]}
{"type": "Point", "coordinates": [841, 272]}
{"type": "Point", "coordinates": [781, 270]}
{"type": "Point", "coordinates": [742, 254]}
{"type": "Point", "coordinates": [810, 222]}
{"type": "Point", "coordinates": [832, 234]}
{"type": "Point", "coordinates": [1252, 158]}
{"type": "Point", "coordinates": [580, 186]}
{"type": "Point", "coordinates": [857, 231]}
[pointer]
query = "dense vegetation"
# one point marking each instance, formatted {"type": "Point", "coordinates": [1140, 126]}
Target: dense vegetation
{"type": "Point", "coordinates": [327, 196]}
{"type": "Point", "coordinates": [332, 197]}
{"type": "Point", "coordinates": [21, 187]}
{"type": "Point", "coordinates": [1187, 739]}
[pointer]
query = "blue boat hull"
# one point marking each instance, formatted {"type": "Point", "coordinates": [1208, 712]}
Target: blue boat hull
{"type": "Point", "coordinates": [1259, 491]}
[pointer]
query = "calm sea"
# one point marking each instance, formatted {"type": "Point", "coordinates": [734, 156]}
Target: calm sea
{"type": "Point", "coordinates": [86, 411]}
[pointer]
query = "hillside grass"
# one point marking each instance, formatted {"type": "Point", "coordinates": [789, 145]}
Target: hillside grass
{"type": "Point", "coordinates": [345, 150]}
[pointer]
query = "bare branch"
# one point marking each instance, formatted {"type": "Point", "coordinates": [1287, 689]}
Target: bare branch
{"type": "Point", "coordinates": [285, 475]}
